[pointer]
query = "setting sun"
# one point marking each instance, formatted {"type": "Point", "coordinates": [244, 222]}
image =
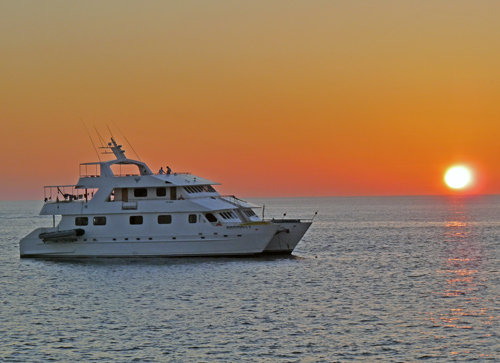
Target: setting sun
{"type": "Point", "coordinates": [457, 177]}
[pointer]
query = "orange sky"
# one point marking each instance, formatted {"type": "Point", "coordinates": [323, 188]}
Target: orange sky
{"type": "Point", "coordinates": [270, 98]}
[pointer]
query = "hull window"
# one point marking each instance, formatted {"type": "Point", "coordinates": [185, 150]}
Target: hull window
{"type": "Point", "coordinates": [81, 221]}
{"type": "Point", "coordinates": [164, 219]}
{"type": "Point", "coordinates": [99, 221]}
{"type": "Point", "coordinates": [136, 219]}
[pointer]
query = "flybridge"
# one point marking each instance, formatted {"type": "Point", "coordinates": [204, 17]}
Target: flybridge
{"type": "Point", "coordinates": [93, 174]}
{"type": "Point", "coordinates": [132, 173]}
{"type": "Point", "coordinates": [114, 168]}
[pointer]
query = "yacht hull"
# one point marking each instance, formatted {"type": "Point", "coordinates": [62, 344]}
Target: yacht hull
{"type": "Point", "coordinates": [288, 236]}
{"type": "Point", "coordinates": [245, 242]}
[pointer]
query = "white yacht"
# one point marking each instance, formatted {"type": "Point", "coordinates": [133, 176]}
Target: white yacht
{"type": "Point", "coordinates": [109, 213]}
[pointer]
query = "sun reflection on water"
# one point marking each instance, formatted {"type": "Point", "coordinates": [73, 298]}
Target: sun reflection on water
{"type": "Point", "coordinates": [460, 281]}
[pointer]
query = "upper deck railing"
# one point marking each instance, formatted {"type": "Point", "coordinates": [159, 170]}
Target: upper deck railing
{"type": "Point", "coordinates": [93, 170]}
{"type": "Point", "coordinates": [90, 170]}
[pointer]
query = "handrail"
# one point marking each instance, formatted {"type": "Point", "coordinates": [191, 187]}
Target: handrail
{"type": "Point", "coordinates": [289, 220]}
{"type": "Point", "coordinates": [176, 173]}
{"type": "Point", "coordinates": [233, 200]}
{"type": "Point", "coordinates": [67, 193]}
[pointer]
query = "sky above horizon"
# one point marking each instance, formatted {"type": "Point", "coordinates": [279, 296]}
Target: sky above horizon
{"type": "Point", "coordinates": [269, 98]}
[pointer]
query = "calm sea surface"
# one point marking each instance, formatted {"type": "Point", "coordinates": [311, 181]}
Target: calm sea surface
{"type": "Point", "coordinates": [389, 279]}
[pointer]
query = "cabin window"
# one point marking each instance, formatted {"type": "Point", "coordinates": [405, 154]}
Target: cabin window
{"type": "Point", "coordinates": [165, 219]}
{"type": "Point", "coordinates": [99, 221]}
{"type": "Point", "coordinates": [173, 193]}
{"type": "Point", "coordinates": [161, 192]}
{"type": "Point", "coordinates": [211, 217]}
{"type": "Point", "coordinates": [193, 218]}
{"type": "Point", "coordinates": [140, 192]}
{"type": "Point", "coordinates": [136, 219]}
{"type": "Point", "coordinates": [81, 221]}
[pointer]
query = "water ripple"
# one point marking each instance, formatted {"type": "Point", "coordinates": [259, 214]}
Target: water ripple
{"type": "Point", "coordinates": [375, 279]}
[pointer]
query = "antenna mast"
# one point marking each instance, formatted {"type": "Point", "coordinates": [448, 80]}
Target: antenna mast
{"type": "Point", "coordinates": [126, 140]}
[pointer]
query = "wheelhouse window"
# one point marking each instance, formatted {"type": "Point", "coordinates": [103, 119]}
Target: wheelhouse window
{"type": "Point", "coordinates": [190, 189]}
{"type": "Point", "coordinates": [81, 221]}
{"type": "Point", "coordinates": [161, 192]}
{"type": "Point", "coordinates": [136, 219]}
{"type": "Point", "coordinates": [99, 221]}
{"type": "Point", "coordinates": [199, 189]}
{"type": "Point", "coordinates": [192, 218]}
{"type": "Point", "coordinates": [165, 219]}
{"type": "Point", "coordinates": [210, 217]}
{"type": "Point", "coordinates": [140, 192]}
{"type": "Point", "coordinates": [249, 212]}
{"type": "Point", "coordinates": [227, 215]}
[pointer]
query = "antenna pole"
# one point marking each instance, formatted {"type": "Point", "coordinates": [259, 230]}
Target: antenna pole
{"type": "Point", "coordinates": [110, 131]}
{"type": "Point", "coordinates": [100, 138]}
{"type": "Point", "coordinates": [314, 216]}
{"type": "Point", "coordinates": [92, 141]}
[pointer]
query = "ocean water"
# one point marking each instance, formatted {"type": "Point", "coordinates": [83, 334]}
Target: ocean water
{"type": "Point", "coordinates": [382, 279]}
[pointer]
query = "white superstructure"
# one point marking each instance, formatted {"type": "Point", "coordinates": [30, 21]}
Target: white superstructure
{"type": "Point", "coordinates": [112, 213]}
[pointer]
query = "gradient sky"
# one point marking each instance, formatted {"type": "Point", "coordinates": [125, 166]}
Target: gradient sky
{"type": "Point", "coordinates": [270, 98]}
